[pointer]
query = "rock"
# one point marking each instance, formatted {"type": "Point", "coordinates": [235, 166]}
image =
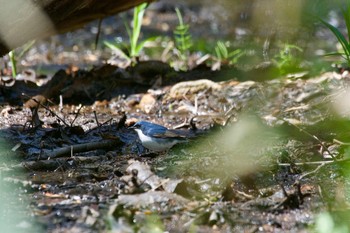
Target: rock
{"type": "Point", "coordinates": [192, 87]}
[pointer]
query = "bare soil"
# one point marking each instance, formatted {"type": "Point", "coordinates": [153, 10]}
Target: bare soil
{"type": "Point", "coordinates": [84, 171]}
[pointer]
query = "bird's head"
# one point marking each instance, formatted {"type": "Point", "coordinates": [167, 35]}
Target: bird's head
{"type": "Point", "coordinates": [139, 125]}
{"type": "Point", "coordinates": [148, 128]}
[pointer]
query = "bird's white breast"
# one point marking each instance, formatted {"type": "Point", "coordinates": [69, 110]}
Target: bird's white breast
{"type": "Point", "coordinates": [155, 144]}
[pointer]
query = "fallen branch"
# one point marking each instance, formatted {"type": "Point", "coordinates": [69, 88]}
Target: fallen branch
{"type": "Point", "coordinates": [70, 150]}
{"type": "Point", "coordinates": [313, 163]}
{"type": "Point", "coordinates": [309, 163]}
{"type": "Point", "coordinates": [53, 164]}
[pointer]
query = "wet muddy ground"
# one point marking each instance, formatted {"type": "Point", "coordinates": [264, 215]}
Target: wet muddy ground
{"type": "Point", "coordinates": [266, 156]}
{"type": "Point", "coordinates": [262, 159]}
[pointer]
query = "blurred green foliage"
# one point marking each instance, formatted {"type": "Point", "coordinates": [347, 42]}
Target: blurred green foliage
{"type": "Point", "coordinates": [289, 59]}
{"type": "Point", "coordinates": [14, 200]}
{"type": "Point", "coordinates": [224, 55]}
{"type": "Point", "coordinates": [134, 47]}
{"type": "Point", "coordinates": [335, 222]}
{"type": "Point", "coordinates": [20, 53]}
{"type": "Point", "coordinates": [343, 41]}
{"type": "Point", "coordinates": [289, 24]}
{"type": "Point", "coordinates": [183, 38]}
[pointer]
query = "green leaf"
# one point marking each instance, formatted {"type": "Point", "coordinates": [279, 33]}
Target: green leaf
{"type": "Point", "coordinates": [341, 39]}
{"type": "Point", "coordinates": [346, 15]}
{"type": "Point", "coordinates": [183, 39]}
{"type": "Point", "coordinates": [235, 53]}
{"type": "Point", "coordinates": [13, 63]}
{"type": "Point", "coordinates": [116, 49]}
{"type": "Point", "coordinates": [141, 44]}
{"type": "Point", "coordinates": [137, 23]}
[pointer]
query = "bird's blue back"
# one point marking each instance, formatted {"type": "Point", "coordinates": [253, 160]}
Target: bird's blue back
{"type": "Point", "coordinates": [159, 131]}
{"type": "Point", "coordinates": [151, 129]}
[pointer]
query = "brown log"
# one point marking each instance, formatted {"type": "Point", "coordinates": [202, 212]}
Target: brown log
{"type": "Point", "coordinates": [22, 21]}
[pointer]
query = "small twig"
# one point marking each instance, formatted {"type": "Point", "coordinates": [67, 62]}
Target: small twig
{"type": "Point", "coordinates": [341, 143]}
{"type": "Point", "coordinates": [229, 114]}
{"type": "Point", "coordinates": [313, 163]}
{"type": "Point", "coordinates": [97, 122]}
{"type": "Point", "coordinates": [284, 190]}
{"type": "Point", "coordinates": [311, 172]}
{"type": "Point", "coordinates": [250, 197]}
{"type": "Point", "coordinates": [60, 105]}
{"type": "Point", "coordinates": [193, 124]}
{"type": "Point", "coordinates": [228, 111]}
{"type": "Point", "coordinates": [307, 163]}
{"type": "Point", "coordinates": [48, 109]}
{"type": "Point", "coordinates": [98, 32]}
{"type": "Point", "coordinates": [300, 193]}
{"type": "Point", "coordinates": [99, 126]}
{"type": "Point", "coordinates": [76, 115]}
{"type": "Point", "coordinates": [319, 163]}
{"type": "Point", "coordinates": [60, 166]}
{"type": "Point", "coordinates": [316, 138]}
{"type": "Point", "coordinates": [183, 124]}
{"type": "Point", "coordinates": [196, 104]}
{"type": "Point", "coordinates": [121, 122]}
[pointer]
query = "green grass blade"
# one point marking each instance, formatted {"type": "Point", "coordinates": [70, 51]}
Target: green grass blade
{"type": "Point", "coordinates": [235, 53]}
{"type": "Point", "coordinates": [116, 49]}
{"type": "Point", "coordinates": [179, 16]}
{"type": "Point", "coordinates": [218, 53]}
{"type": "Point", "coordinates": [128, 30]}
{"type": "Point", "coordinates": [13, 63]}
{"type": "Point", "coordinates": [333, 54]}
{"type": "Point", "coordinates": [341, 39]}
{"type": "Point", "coordinates": [222, 49]}
{"type": "Point", "coordinates": [137, 23]}
{"type": "Point", "coordinates": [26, 47]}
{"type": "Point", "coordinates": [237, 56]}
{"type": "Point", "coordinates": [346, 15]}
{"type": "Point", "coordinates": [140, 45]}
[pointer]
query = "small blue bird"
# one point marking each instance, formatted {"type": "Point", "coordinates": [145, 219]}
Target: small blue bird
{"type": "Point", "coordinates": [158, 138]}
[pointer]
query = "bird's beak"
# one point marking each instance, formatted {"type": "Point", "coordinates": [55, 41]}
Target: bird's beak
{"type": "Point", "coordinates": [132, 127]}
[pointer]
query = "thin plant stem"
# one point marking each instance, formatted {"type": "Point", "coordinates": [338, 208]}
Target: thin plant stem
{"type": "Point", "coordinates": [13, 63]}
